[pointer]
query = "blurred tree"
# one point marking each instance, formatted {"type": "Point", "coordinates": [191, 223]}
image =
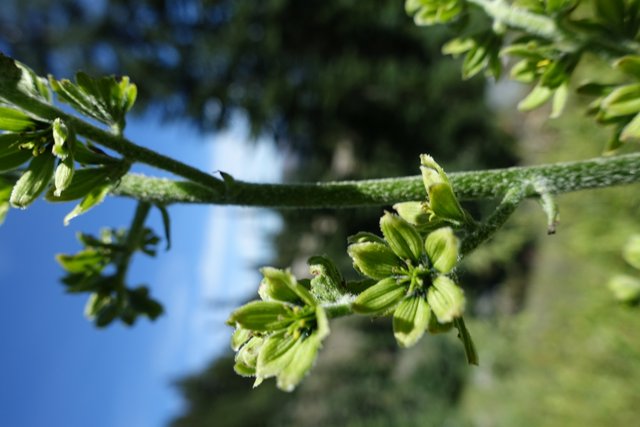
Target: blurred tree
{"type": "Point", "coordinates": [314, 74]}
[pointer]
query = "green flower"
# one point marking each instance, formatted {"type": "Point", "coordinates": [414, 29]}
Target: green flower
{"type": "Point", "coordinates": [411, 276]}
{"type": "Point", "coordinates": [279, 336]}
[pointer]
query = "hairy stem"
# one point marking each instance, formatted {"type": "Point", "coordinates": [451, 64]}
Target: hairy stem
{"type": "Point", "coordinates": [490, 184]}
{"type": "Point", "coordinates": [507, 206]}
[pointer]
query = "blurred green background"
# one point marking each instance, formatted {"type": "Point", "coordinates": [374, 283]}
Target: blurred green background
{"type": "Point", "coordinates": [352, 90]}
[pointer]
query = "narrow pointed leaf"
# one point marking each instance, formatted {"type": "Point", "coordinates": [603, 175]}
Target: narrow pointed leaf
{"type": "Point", "coordinates": [92, 199]}
{"type": "Point", "coordinates": [13, 120]}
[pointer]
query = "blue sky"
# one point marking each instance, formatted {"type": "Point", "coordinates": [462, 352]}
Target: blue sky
{"type": "Point", "coordinates": [56, 369]}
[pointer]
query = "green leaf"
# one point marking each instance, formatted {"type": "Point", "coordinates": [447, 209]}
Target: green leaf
{"type": "Point", "coordinates": [166, 224]}
{"type": "Point", "coordinates": [623, 101]}
{"type": "Point", "coordinates": [446, 299]}
{"type": "Point", "coordinates": [86, 261]}
{"type": "Point", "coordinates": [13, 157]}
{"type": "Point", "coordinates": [141, 303]}
{"type": "Point", "coordinates": [18, 80]}
{"type": "Point", "coordinates": [82, 182]}
{"type": "Point", "coordinates": [442, 249]}
{"type": "Point", "coordinates": [410, 319]}
{"type": "Point", "coordinates": [538, 96]}
{"type": "Point", "coordinates": [93, 198]}
{"type": "Point", "coordinates": [458, 46]}
{"type": "Point", "coordinates": [402, 237]}
{"type": "Point", "coordinates": [610, 12]}
{"type": "Point", "coordinates": [374, 260]}
{"type": "Point", "coordinates": [262, 316]}
{"type": "Point", "coordinates": [629, 65]}
{"type": "Point", "coordinates": [5, 195]}
{"type": "Point", "coordinates": [559, 100]}
{"type": "Point", "coordinates": [105, 98]}
{"type": "Point", "coordinates": [380, 297]}
{"type": "Point", "coordinates": [34, 181]}
{"type": "Point", "coordinates": [92, 155]}
{"type": "Point", "coordinates": [13, 120]}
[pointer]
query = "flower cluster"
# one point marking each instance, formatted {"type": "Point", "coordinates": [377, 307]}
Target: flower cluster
{"type": "Point", "coordinates": [408, 275]}
{"type": "Point", "coordinates": [280, 335]}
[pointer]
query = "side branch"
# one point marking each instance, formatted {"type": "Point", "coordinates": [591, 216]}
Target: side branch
{"type": "Point", "coordinates": [490, 184]}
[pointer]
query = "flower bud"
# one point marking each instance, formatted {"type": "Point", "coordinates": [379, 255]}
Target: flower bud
{"type": "Point", "coordinates": [33, 182]}
{"type": "Point", "coordinates": [443, 203]}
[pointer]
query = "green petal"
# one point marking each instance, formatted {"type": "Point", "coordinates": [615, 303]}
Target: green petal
{"type": "Point", "coordinates": [442, 249]}
{"type": "Point", "coordinates": [300, 363]}
{"type": "Point", "coordinates": [444, 203]}
{"type": "Point", "coordinates": [277, 285]}
{"type": "Point", "coordinates": [379, 298]}
{"type": "Point", "coordinates": [402, 237]}
{"type": "Point", "coordinates": [374, 259]}
{"type": "Point", "coordinates": [410, 320]}
{"type": "Point", "coordinates": [446, 299]}
{"type": "Point", "coordinates": [261, 316]}
{"type": "Point", "coordinates": [275, 354]}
